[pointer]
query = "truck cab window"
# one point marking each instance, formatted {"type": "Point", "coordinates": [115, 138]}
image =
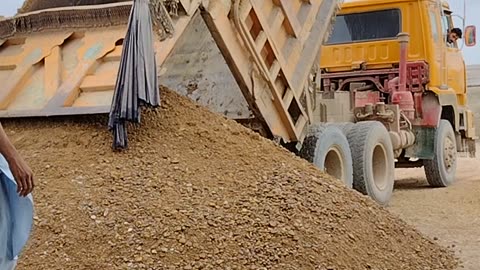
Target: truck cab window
{"type": "Point", "coordinates": [447, 26]}
{"type": "Point", "coordinates": [366, 26]}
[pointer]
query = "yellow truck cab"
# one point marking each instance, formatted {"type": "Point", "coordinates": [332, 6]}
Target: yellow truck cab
{"type": "Point", "coordinates": [390, 61]}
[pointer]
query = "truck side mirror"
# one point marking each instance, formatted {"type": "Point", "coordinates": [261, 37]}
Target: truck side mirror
{"type": "Point", "coordinates": [470, 36]}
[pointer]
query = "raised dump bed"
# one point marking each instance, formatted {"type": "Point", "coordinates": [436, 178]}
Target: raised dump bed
{"type": "Point", "coordinates": [59, 59]}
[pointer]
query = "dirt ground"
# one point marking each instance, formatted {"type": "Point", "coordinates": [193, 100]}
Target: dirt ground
{"type": "Point", "coordinates": [450, 215]}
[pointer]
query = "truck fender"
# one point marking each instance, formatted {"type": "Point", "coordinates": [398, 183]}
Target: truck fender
{"type": "Point", "coordinates": [449, 112]}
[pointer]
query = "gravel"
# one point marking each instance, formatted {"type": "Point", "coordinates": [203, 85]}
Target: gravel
{"type": "Point", "coordinates": [198, 191]}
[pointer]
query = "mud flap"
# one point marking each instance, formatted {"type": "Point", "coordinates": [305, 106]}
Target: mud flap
{"type": "Point", "coordinates": [424, 146]}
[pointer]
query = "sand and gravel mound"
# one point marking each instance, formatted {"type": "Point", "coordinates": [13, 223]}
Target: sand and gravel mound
{"type": "Point", "coordinates": [197, 191]}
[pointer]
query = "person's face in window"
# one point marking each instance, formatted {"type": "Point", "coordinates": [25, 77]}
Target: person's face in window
{"type": "Point", "coordinates": [452, 37]}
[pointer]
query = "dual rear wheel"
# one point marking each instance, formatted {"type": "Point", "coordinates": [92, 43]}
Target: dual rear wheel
{"type": "Point", "coordinates": [360, 155]}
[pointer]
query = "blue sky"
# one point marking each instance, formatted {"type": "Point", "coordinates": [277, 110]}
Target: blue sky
{"type": "Point", "coordinates": [9, 7]}
{"type": "Point", "coordinates": [472, 55]}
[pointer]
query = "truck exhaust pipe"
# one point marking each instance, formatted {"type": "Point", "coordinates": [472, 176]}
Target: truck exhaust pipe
{"type": "Point", "coordinates": [403, 39]}
{"type": "Point", "coordinates": [400, 94]}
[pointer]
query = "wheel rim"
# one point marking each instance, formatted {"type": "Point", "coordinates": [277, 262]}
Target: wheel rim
{"type": "Point", "coordinates": [380, 166]}
{"type": "Point", "coordinates": [334, 163]}
{"type": "Point", "coordinates": [449, 154]}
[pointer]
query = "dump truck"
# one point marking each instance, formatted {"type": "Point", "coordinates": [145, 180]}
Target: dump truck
{"type": "Point", "coordinates": [392, 62]}
{"type": "Point", "coordinates": [254, 61]}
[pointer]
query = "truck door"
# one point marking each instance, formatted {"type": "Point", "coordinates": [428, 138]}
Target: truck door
{"type": "Point", "coordinates": [454, 61]}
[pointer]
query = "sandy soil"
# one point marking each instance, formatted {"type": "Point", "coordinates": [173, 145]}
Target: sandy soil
{"type": "Point", "coordinates": [450, 216]}
{"type": "Point", "coordinates": [197, 191]}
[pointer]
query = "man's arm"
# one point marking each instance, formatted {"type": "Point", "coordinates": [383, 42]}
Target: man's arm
{"type": "Point", "coordinates": [21, 171]}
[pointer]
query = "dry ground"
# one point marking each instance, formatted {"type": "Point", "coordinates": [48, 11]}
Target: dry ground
{"type": "Point", "coordinates": [450, 215]}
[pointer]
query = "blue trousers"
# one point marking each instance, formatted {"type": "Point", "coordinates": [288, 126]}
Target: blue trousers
{"type": "Point", "coordinates": [5, 229]}
{"type": "Point", "coordinates": [16, 218]}
{"type": "Point", "coordinates": [8, 265]}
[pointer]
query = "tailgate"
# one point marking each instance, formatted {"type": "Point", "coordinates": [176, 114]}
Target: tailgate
{"type": "Point", "coordinates": [62, 60]}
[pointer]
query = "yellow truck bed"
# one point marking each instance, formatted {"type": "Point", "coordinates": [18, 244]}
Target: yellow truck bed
{"type": "Point", "coordinates": [63, 60]}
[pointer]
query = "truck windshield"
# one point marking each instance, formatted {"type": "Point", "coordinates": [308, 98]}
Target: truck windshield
{"type": "Point", "coordinates": [358, 27]}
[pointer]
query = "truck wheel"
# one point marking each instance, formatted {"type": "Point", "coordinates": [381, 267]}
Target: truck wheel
{"type": "Point", "coordinates": [327, 148]}
{"type": "Point", "coordinates": [440, 170]}
{"type": "Point", "coordinates": [373, 161]}
{"type": "Point", "coordinates": [345, 127]}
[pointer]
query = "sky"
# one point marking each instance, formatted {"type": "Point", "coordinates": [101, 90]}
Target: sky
{"type": "Point", "coordinates": [9, 7]}
{"type": "Point", "coordinates": [471, 54]}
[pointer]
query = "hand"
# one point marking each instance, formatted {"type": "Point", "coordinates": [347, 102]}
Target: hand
{"type": "Point", "coordinates": [23, 175]}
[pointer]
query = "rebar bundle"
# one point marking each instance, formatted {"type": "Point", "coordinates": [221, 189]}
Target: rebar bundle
{"type": "Point", "coordinates": [136, 84]}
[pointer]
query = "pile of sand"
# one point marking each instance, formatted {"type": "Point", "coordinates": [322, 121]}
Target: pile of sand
{"type": "Point", "coordinates": [197, 191]}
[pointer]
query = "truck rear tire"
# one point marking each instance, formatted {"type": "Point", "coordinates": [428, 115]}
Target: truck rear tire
{"type": "Point", "coordinates": [345, 127]}
{"type": "Point", "coordinates": [440, 171]}
{"type": "Point", "coordinates": [373, 160]}
{"type": "Point", "coordinates": [327, 148]}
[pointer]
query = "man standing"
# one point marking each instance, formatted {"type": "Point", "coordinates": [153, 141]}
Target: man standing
{"type": "Point", "coordinates": [16, 203]}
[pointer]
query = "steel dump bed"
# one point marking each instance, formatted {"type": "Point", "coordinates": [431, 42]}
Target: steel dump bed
{"type": "Point", "coordinates": [247, 59]}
